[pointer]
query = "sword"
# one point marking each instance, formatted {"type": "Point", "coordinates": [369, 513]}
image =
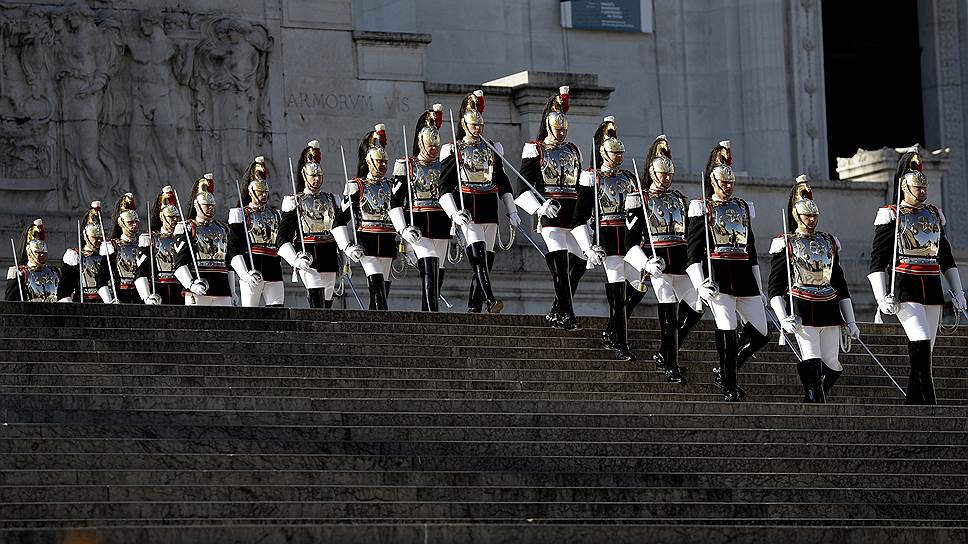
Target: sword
{"type": "Point", "coordinates": [352, 213]}
{"type": "Point", "coordinates": [459, 162]}
{"type": "Point", "coordinates": [897, 229]}
{"type": "Point", "coordinates": [524, 233]}
{"type": "Point", "coordinates": [302, 236]}
{"type": "Point", "coordinates": [449, 305]}
{"type": "Point", "coordinates": [776, 323]}
{"type": "Point", "coordinates": [80, 265]}
{"type": "Point", "coordinates": [406, 168]}
{"type": "Point", "coordinates": [191, 249]}
{"type": "Point", "coordinates": [868, 350]}
{"type": "Point", "coordinates": [107, 258]}
{"type": "Point", "coordinates": [151, 262]}
{"type": "Point", "coordinates": [349, 280]}
{"type": "Point", "coordinates": [598, 228]}
{"type": "Point", "coordinates": [786, 242]}
{"type": "Point", "coordinates": [705, 225]}
{"type": "Point", "coordinates": [645, 211]}
{"type": "Point", "coordinates": [541, 198]}
{"type": "Point", "coordinates": [248, 242]}
{"type": "Point", "coordinates": [16, 263]}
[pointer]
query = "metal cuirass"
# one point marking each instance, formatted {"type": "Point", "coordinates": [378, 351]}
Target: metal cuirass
{"type": "Point", "coordinates": [613, 187]}
{"type": "Point", "coordinates": [41, 284]}
{"type": "Point", "coordinates": [126, 260]}
{"type": "Point", "coordinates": [211, 244]}
{"type": "Point", "coordinates": [263, 225]}
{"type": "Point", "coordinates": [560, 169]}
{"type": "Point", "coordinates": [478, 165]}
{"type": "Point", "coordinates": [90, 266]}
{"type": "Point", "coordinates": [667, 217]}
{"type": "Point", "coordinates": [375, 203]}
{"type": "Point", "coordinates": [812, 265]}
{"type": "Point", "coordinates": [919, 236]}
{"type": "Point", "coordinates": [729, 228]}
{"type": "Point", "coordinates": [424, 182]}
{"type": "Point", "coordinates": [165, 251]}
{"type": "Point", "coordinates": [317, 215]}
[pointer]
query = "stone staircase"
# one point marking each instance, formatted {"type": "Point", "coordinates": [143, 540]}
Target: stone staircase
{"type": "Point", "coordinates": [127, 424]}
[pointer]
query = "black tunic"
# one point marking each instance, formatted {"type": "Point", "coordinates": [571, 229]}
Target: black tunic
{"type": "Point", "coordinates": [483, 207]}
{"type": "Point", "coordinates": [325, 253]}
{"type": "Point", "coordinates": [813, 313]}
{"type": "Point", "coordinates": [217, 277]}
{"type": "Point", "coordinates": [734, 276]}
{"type": "Point", "coordinates": [924, 289]}
{"type": "Point", "coordinates": [531, 170]}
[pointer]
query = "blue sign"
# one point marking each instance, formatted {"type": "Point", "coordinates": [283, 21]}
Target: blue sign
{"type": "Point", "coordinates": [618, 15]}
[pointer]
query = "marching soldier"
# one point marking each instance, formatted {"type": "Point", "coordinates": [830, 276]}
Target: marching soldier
{"type": "Point", "coordinates": [916, 230]}
{"type": "Point", "coordinates": [720, 235]}
{"type": "Point", "coordinates": [311, 213]}
{"type": "Point", "coordinates": [553, 166]}
{"type": "Point", "coordinates": [368, 198]}
{"type": "Point", "coordinates": [821, 301]}
{"type": "Point", "coordinates": [82, 265]}
{"type": "Point", "coordinates": [32, 279]}
{"type": "Point", "coordinates": [607, 193]}
{"type": "Point", "coordinates": [429, 234]}
{"type": "Point", "coordinates": [254, 227]}
{"type": "Point", "coordinates": [118, 278]}
{"type": "Point", "coordinates": [473, 179]}
{"type": "Point", "coordinates": [156, 271]}
{"type": "Point", "coordinates": [664, 243]}
{"type": "Point", "coordinates": [201, 261]}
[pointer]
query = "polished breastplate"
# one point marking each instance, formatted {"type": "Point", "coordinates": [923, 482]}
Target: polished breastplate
{"type": "Point", "coordinates": [126, 260]}
{"type": "Point", "coordinates": [613, 187]}
{"type": "Point", "coordinates": [560, 169]}
{"type": "Point", "coordinates": [375, 205]}
{"type": "Point", "coordinates": [478, 166]}
{"type": "Point", "coordinates": [318, 213]}
{"type": "Point", "coordinates": [667, 218]}
{"type": "Point", "coordinates": [165, 252]}
{"type": "Point", "coordinates": [812, 265]}
{"type": "Point", "coordinates": [729, 228]}
{"type": "Point", "coordinates": [919, 236]}
{"type": "Point", "coordinates": [263, 225]}
{"type": "Point", "coordinates": [211, 243]}
{"type": "Point", "coordinates": [41, 285]}
{"type": "Point", "coordinates": [90, 266]}
{"type": "Point", "coordinates": [425, 184]}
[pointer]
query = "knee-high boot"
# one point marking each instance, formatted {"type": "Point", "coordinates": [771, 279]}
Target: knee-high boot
{"type": "Point", "coordinates": [315, 297]}
{"type": "Point", "coordinates": [615, 293]}
{"type": "Point", "coordinates": [830, 377]}
{"type": "Point", "coordinates": [482, 261]}
{"type": "Point", "coordinates": [920, 388]}
{"type": "Point", "coordinates": [750, 341]}
{"type": "Point", "coordinates": [563, 315]}
{"type": "Point", "coordinates": [378, 293]}
{"type": "Point", "coordinates": [688, 318]}
{"type": "Point", "coordinates": [669, 347]}
{"type": "Point", "coordinates": [810, 376]}
{"type": "Point", "coordinates": [428, 276]}
{"type": "Point", "coordinates": [726, 346]}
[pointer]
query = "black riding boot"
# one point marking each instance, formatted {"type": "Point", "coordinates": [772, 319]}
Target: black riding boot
{"type": "Point", "coordinates": [669, 347]}
{"type": "Point", "coordinates": [482, 261]}
{"type": "Point", "coordinates": [830, 377]}
{"type": "Point", "coordinates": [378, 292]}
{"type": "Point", "coordinates": [809, 371]}
{"type": "Point", "coordinates": [750, 341]}
{"type": "Point", "coordinates": [563, 315]}
{"type": "Point", "coordinates": [315, 297]}
{"type": "Point", "coordinates": [921, 383]}
{"type": "Point", "coordinates": [616, 306]}
{"type": "Point", "coordinates": [328, 303]}
{"type": "Point", "coordinates": [688, 318]}
{"type": "Point", "coordinates": [726, 346]}
{"type": "Point", "coordinates": [428, 275]}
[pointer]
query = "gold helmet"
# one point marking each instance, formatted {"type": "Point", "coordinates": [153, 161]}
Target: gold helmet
{"type": "Point", "coordinates": [91, 225]}
{"type": "Point", "coordinates": [372, 151]}
{"type": "Point", "coordinates": [309, 164]}
{"type": "Point", "coordinates": [660, 159]}
{"type": "Point", "coordinates": [203, 193]}
{"type": "Point", "coordinates": [719, 167]}
{"type": "Point", "coordinates": [427, 132]}
{"type": "Point", "coordinates": [125, 212]}
{"type": "Point", "coordinates": [164, 211]}
{"type": "Point", "coordinates": [33, 244]}
{"type": "Point", "coordinates": [607, 142]}
{"type": "Point", "coordinates": [553, 120]}
{"type": "Point", "coordinates": [471, 112]}
{"type": "Point", "coordinates": [909, 173]}
{"type": "Point", "coordinates": [256, 179]}
{"type": "Point", "coordinates": [800, 203]}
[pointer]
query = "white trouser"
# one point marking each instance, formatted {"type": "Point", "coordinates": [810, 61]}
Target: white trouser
{"type": "Point", "coordinates": [821, 343]}
{"type": "Point", "coordinates": [431, 247]}
{"type": "Point", "coordinates": [615, 268]}
{"type": "Point", "coordinates": [559, 239]}
{"type": "Point", "coordinates": [920, 322]}
{"type": "Point", "coordinates": [315, 280]}
{"type": "Point", "coordinates": [486, 233]}
{"type": "Point", "coordinates": [376, 265]}
{"type": "Point", "coordinates": [274, 292]}
{"type": "Point", "coordinates": [192, 299]}
{"type": "Point", "coordinates": [676, 287]}
{"type": "Point", "coordinates": [725, 307]}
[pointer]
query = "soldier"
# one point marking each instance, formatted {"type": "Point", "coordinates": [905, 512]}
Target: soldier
{"type": "Point", "coordinates": [311, 213]}
{"type": "Point", "coordinates": [33, 280]}
{"type": "Point", "coordinates": [553, 166]}
{"type": "Point", "coordinates": [156, 271]}
{"type": "Point", "coordinates": [82, 266]}
{"type": "Point", "coordinates": [201, 261]}
{"type": "Point", "coordinates": [370, 197]}
{"type": "Point", "coordinates": [473, 178]}
{"type": "Point", "coordinates": [429, 234]}
{"type": "Point", "coordinates": [733, 285]}
{"type": "Point", "coordinates": [117, 279]}
{"type": "Point", "coordinates": [254, 226]}
{"type": "Point", "coordinates": [922, 255]}
{"type": "Point", "coordinates": [607, 193]}
{"type": "Point", "coordinates": [821, 301]}
{"type": "Point", "coordinates": [679, 306]}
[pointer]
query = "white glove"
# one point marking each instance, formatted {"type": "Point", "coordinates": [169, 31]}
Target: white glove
{"type": "Point", "coordinates": [461, 218]}
{"type": "Point", "coordinates": [854, 330]}
{"type": "Point", "coordinates": [887, 305]}
{"type": "Point", "coordinates": [958, 300]}
{"type": "Point", "coordinates": [654, 266]}
{"type": "Point", "coordinates": [514, 219]}
{"type": "Point", "coordinates": [411, 234]}
{"type": "Point", "coordinates": [595, 255]}
{"type": "Point", "coordinates": [790, 324]}
{"type": "Point", "coordinates": [197, 288]}
{"type": "Point", "coordinates": [301, 263]}
{"type": "Point", "coordinates": [355, 252]}
{"type": "Point", "coordinates": [708, 291]}
{"type": "Point", "coordinates": [249, 279]}
{"type": "Point", "coordinates": [549, 209]}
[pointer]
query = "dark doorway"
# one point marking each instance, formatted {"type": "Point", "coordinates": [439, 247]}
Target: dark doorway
{"type": "Point", "coordinates": [872, 72]}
